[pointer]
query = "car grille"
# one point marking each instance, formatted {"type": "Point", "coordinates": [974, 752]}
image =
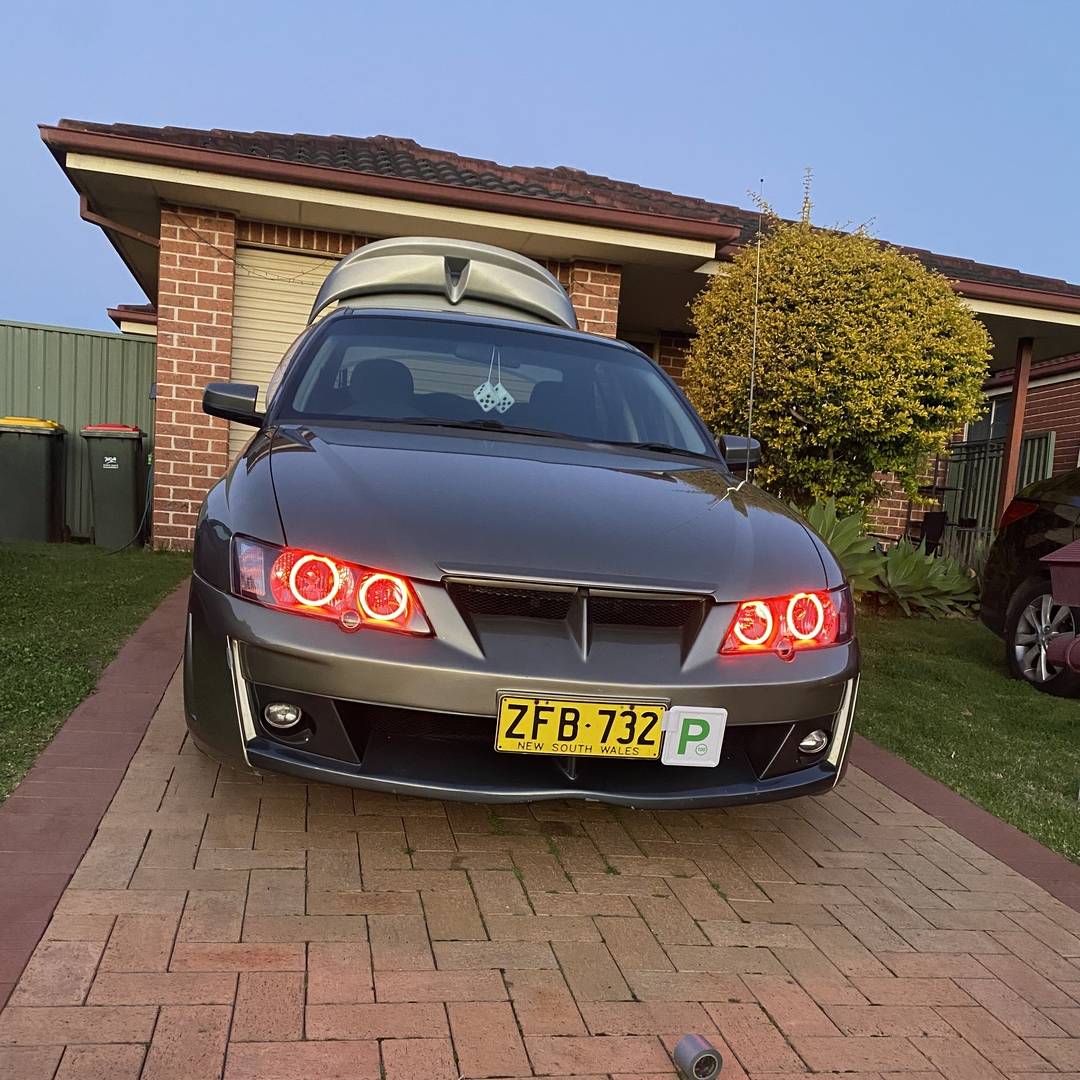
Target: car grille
{"type": "Point", "coordinates": [630, 611]}
{"type": "Point", "coordinates": [769, 750]}
{"type": "Point", "coordinates": [502, 602]}
{"type": "Point", "coordinates": [604, 608]}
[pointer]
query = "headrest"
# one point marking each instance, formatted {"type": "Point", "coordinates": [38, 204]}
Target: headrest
{"type": "Point", "coordinates": [380, 377]}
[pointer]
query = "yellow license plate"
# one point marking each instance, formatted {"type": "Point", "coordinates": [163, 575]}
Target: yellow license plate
{"type": "Point", "coordinates": [615, 729]}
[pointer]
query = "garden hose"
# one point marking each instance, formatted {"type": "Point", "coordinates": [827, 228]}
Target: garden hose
{"type": "Point", "coordinates": [146, 511]}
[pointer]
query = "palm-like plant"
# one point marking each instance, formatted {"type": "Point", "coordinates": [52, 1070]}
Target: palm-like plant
{"type": "Point", "coordinates": [856, 552]}
{"type": "Point", "coordinates": [918, 583]}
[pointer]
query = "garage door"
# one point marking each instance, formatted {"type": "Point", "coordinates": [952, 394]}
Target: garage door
{"type": "Point", "coordinates": [274, 294]}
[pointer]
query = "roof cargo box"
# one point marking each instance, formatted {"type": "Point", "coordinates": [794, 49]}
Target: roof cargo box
{"type": "Point", "coordinates": [447, 275]}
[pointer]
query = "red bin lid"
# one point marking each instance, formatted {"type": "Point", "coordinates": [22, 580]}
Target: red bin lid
{"type": "Point", "coordinates": [111, 429]}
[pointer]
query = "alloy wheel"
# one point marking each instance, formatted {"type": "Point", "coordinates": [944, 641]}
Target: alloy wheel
{"type": "Point", "coordinates": [1040, 622]}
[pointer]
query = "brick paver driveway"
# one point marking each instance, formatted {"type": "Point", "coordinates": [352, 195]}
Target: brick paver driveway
{"type": "Point", "coordinates": [226, 925]}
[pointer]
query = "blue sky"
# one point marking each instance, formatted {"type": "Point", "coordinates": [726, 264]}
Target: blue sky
{"type": "Point", "coordinates": [950, 125]}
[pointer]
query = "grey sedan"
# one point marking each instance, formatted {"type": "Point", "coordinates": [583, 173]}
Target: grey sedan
{"type": "Point", "coordinates": [471, 552]}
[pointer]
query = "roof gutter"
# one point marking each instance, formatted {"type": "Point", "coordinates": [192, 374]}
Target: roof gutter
{"type": "Point", "coordinates": [108, 223]}
{"type": "Point", "coordinates": [1014, 294]}
{"type": "Point", "coordinates": [61, 140]}
{"type": "Point", "coordinates": [122, 314]}
{"type": "Point", "coordinates": [112, 230]}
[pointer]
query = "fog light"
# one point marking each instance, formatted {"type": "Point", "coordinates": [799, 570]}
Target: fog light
{"type": "Point", "coordinates": [282, 715]}
{"type": "Point", "coordinates": [815, 742]}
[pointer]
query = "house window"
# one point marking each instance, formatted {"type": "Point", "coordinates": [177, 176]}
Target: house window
{"type": "Point", "coordinates": [994, 423]}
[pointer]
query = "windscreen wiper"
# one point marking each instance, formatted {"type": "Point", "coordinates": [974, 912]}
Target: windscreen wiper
{"type": "Point", "coordinates": [480, 425]}
{"type": "Point", "coordinates": [510, 429]}
{"type": "Point", "coordinates": [660, 448]}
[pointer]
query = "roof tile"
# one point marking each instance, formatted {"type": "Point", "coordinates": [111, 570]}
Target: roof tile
{"type": "Point", "coordinates": [389, 156]}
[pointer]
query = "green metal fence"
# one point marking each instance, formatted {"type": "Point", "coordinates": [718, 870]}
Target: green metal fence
{"type": "Point", "coordinates": [77, 377]}
{"type": "Point", "coordinates": [972, 486]}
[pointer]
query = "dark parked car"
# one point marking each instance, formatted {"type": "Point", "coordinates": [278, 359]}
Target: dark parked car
{"type": "Point", "coordinates": [473, 553]}
{"type": "Point", "coordinates": [1016, 598]}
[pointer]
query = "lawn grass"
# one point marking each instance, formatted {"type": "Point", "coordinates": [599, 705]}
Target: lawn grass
{"type": "Point", "coordinates": [937, 694]}
{"type": "Point", "coordinates": [65, 609]}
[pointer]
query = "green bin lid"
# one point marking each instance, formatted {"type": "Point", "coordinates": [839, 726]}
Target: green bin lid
{"type": "Point", "coordinates": [32, 424]}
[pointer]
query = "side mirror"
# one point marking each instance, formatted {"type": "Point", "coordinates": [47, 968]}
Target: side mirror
{"type": "Point", "coordinates": [739, 451]}
{"type": "Point", "coordinates": [233, 401]}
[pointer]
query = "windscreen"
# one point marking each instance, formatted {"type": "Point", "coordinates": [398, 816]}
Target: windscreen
{"type": "Point", "coordinates": [374, 368]}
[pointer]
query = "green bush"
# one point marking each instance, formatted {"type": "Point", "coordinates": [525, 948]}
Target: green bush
{"type": "Point", "coordinates": [866, 362]}
{"type": "Point", "coordinates": [904, 575]}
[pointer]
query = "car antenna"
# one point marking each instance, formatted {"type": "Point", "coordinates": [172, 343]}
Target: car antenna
{"type": "Point", "coordinates": [754, 332]}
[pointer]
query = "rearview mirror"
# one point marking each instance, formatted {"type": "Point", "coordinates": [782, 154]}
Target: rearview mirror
{"type": "Point", "coordinates": [233, 401]}
{"type": "Point", "coordinates": [739, 451]}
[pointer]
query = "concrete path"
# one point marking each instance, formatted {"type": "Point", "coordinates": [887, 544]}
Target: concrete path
{"type": "Point", "coordinates": [223, 925]}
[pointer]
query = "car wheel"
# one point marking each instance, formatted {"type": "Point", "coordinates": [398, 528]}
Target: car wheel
{"type": "Point", "coordinates": [1034, 619]}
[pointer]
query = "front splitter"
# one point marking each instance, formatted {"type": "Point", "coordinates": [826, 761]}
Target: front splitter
{"type": "Point", "coordinates": [444, 776]}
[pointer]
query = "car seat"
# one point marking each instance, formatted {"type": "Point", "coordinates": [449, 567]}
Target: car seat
{"type": "Point", "coordinates": [567, 406]}
{"type": "Point", "coordinates": [382, 388]}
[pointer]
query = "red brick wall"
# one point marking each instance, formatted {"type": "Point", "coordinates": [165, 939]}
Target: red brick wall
{"type": "Point", "coordinates": [1057, 408]}
{"type": "Point", "coordinates": [194, 346]}
{"type": "Point", "coordinates": [893, 515]}
{"type": "Point", "coordinates": [561, 270]}
{"type": "Point", "coordinates": [285, 236]}
{"type": "Point", "coordinates": [672, 353]}
{"type": "Point", "coordinates": [594, 292]}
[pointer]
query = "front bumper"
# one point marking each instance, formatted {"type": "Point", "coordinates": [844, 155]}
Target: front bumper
{"type": "Point", "coordinates": [416, 715]}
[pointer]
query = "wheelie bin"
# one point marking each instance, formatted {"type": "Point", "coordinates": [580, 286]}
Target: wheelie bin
{"type": "Point", "coordinates": [117, 483]}
{"type": "Point", "coordinates": [31, 479]}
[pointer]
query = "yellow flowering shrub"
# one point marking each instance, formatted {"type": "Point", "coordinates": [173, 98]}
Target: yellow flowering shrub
{"type": "Point", "coordinates": [866, 361]}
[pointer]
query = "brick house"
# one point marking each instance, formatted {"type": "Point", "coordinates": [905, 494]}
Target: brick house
{"type": "Point", "coordinates": [230, 234]}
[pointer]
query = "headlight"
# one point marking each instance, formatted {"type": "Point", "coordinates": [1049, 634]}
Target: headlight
{"type": "Point", "coordinates": [325, 587]}
{"type": "Point", "coordinates": [787, 624]}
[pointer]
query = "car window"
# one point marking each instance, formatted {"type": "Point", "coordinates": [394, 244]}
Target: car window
{"type": "Point", "coordinates": [393, 369]}
{"type": "Point", "coordinates": [274, 382]}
